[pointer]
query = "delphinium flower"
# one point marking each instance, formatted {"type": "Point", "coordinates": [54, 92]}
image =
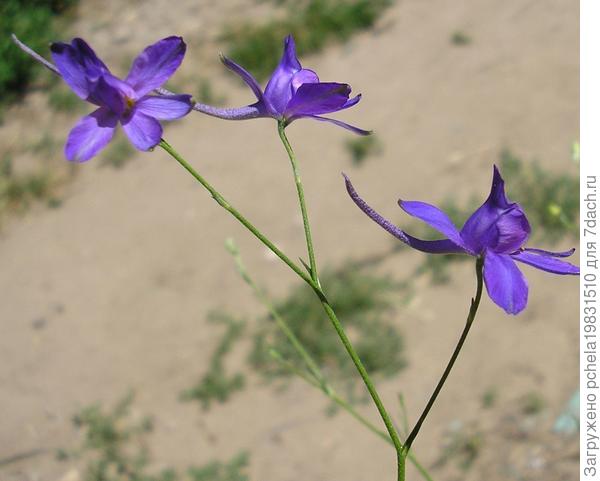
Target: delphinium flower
{"type": "Point", "coordinates": [120, 101]}
{"type": "Point", "coordinates": [292, 93]}
{"type": "Point", "coordinates": [496, 232]}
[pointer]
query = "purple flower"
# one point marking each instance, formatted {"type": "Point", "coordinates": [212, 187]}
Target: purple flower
{"type": "Point", "coordinates": [496, 232]}
{"type": "Point", "coordinates": [293, 92]}
{"type": "Point", "coordinates": [120, 101]}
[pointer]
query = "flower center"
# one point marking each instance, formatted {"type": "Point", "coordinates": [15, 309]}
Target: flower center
{"type": "Point", "coordinates": [129, 103]}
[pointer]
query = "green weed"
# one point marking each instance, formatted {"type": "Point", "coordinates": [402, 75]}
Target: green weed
{"type": "Point", "coordinates": [114, 448]}
{"type": "Point", "coordinates": [216, 385]}
{"type": "Point", "coordinates": [18, 192]}
{"type": "Point", "coordinates": [32, 21]}
{"type": "Point", "coordinates": [361, 148]}
{"type": "Point", "coordinates": [62, 99]}
{"type": "Point", "coordinates": [234, 470]}
{"type": "Point", "coordinates": [460, 38]}
{"type": "Point", "coordinates": [207, 95]}
{"type": "Point", "coordinates": [489, 397]}
{"type": "Point", "coordinates": [532, 403]}
{"type": "Point", "coordinates": [313, 23]}
{"type": "Point", "coordinates": [362, 300]}
{"type": "Point", "coordinates": [462, 445]}
{"type": "Point", "coordinates": [117, 154]}
{"type": "Point", "coordinates": [551, 201]}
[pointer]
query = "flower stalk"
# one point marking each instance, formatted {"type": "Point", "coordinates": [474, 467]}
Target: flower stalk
{"type": "Point", "coordinates": [309, 244]}
{"type": "Point", "coordinates": [470, 318]}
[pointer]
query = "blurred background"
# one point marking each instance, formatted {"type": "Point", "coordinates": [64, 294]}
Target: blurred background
{"type": "Point", "coordinates": [131, 349]}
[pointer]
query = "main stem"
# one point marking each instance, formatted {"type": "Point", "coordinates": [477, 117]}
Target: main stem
{"type": "Point", "coordinates": [401, 455]}
{"type": "Point", "coordinates": [309, 244]}
{"type": "Point", "coordinates": [311, 280]}
{"type": "Point", "coordinates": [457, 349]}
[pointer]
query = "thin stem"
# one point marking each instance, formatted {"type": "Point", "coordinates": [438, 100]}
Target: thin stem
{"type": "Point", "coordinates": [309, 245]}
{"type": "Point", "coordinates": [461, 341]}
{"type": "Point", "coordinates": [401, 455]}
{"type": "Point", "coordinates": [223, 203]}
{"type": "Point", "coordinates": [281, 323]}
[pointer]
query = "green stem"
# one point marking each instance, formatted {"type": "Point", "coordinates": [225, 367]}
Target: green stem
{"type": "Point", "coordinates": [223, 203]}
{"type": "Point", "coordinates": [400, 451]}
{"type": "Point", "coordinates": [457, 349]}
{"type": "Point", "coordinates": [309, 245]}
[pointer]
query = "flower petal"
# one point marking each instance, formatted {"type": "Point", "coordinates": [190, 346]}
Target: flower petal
{"type": "Point", "coordinates": [78, 65]}
{"type": "Point", "coordinates": [90, 135]}
{"type": "Point", "coordinates": [279, 88]}
{"type": "Point", "coordinates": [317, 98]}
{"type": "Point", "coordinates": [505, 283]}
{"type": "Point", "coordinates": [498, 223]}
{"type": "Point", "coordinates": [435, 218]}
{"type": "Point", "coordinates": [245, 76]}
{"type": "Point", "coordinates": [351, 102]}
{"type": "Point", "coordinates": [339, 123]}
{"type": "Point", "coordinates": [443, 246]}
{"type": "Point", "coordinates": [568, 253]}
{"type": "Point", "coordinates": [546, 263]}
{"type": "Point", "coordinates": [155, 65]}
{"type": "Point", "coordinates": [143, 131]}
{"type": "Point", "coordinates": [106, 92]}
{"type": "Point", "coordinates": [511, 231]}
{"type": "Point", "coordinates": [304, 76]}
{"type": "Point", "coordinates": [165, 108]}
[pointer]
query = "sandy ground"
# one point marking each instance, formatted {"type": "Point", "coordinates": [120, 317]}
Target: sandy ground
{"type": "Point", "coordinates": [123, 274]}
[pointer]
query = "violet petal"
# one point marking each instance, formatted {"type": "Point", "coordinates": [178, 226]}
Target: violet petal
{"type": "Point", "coordinates": [155, 65]}
{"type": "Point", "coordinates": [543, 252]}
{"type": "Point", "coordinates": [351, 102]}
{"type": "Point", "coordinates": [480, 232]}
{"type": "Point", "coordinates": [339, 123]}
{"type": "Point", "coordinates": [90, 135]}
{"type": "Point", "coordinates": [244, 75]}
{"type": "Point", "coordinates": [546, 263]}
{"type": "Point", "coordinates": [506, 285]}
{"type": "Point", "coordinates": [435, 218]}
{"type": "Point", "coordinates": [279, 88]}
{"type": "Point", "coordinates": [104, 92]}
{"type": "Point", "coordinates": [78, 64]}
{"type": "Point", "coordinates": [317, 98]}
{"type": "Point", "coordinates": [164, 108]}
{"type": "Point", "coordinates": [143, 131]}
{"type": "Point", "coordinates": [512, 229]}
{"type": "Point", "coordinates": [304, 76]}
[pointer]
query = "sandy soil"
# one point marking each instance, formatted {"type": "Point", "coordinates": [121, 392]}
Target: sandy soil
{"type": "Point", "coordinates": [124, 272]}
